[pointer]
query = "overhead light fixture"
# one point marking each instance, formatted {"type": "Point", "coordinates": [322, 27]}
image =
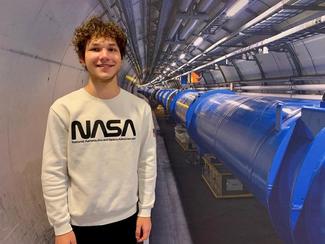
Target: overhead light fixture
{"type": "Point", "coordinates": [234, 9]}
{"type": "Point", "coordinates": [167, 69]}
{"type": "Point", "coordinates": [198, 41]}
{"type": "Point", "coordinates": [265, 50]}
{"type": "Point", "coordinates": [173, 64]}
{"type": "Point", "coordinates": [182, 56]}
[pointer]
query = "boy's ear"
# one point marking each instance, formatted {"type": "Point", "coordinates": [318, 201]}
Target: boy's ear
{"type": "Point", "coordinates": [83, 63]}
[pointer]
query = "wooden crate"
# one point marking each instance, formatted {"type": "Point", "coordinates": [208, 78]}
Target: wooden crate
{"type": "Point", "coordinates": [221, 181]}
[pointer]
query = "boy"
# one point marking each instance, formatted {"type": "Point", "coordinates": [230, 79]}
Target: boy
{"type": "Point", "coordinates": [99, 157]}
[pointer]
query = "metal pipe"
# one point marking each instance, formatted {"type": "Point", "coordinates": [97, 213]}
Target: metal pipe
{"type": "Point", "coordinates": [174, 28]}
{"type": "Point", "coordinates": [204, 5]}
{"type": "Point", "coordinates": [180, 102]}
{"type": "Point", "coordinates": [188, 28]}
{"type": "Point", "coordinates": [251, 23]}
{"type": "Point", "coordinates": [307, 87]}
{"type": "Point", "coordinates": [256, 45]}
{"type": "Point", "coordinates": [274, 145]}
{"type": "Point", "coordinates": [297, 96]}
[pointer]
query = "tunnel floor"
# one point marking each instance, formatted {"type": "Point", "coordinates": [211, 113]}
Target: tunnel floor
{"type": "Point", "coordinates": [210, 220]}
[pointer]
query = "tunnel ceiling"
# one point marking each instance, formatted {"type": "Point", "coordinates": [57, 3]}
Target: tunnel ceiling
{"type": "Point", "coordinates": [160, 31]}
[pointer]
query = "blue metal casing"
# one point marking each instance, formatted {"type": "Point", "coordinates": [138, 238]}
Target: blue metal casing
{"type": "Point", "coordinates": [172, 107]}
{"type": "Point", "coordinates": [267, 143]}
{"type": "Point", "coordinates": [275, 146]}
{"type": "Point", "coordinates": [183, 103]}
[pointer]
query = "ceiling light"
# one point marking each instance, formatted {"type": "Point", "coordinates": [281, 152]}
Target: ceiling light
{"type": "Point", "coordinates": [236, 7]}
{"type": "Point", "coordinates": [265, 50]}
{"type": "Point", "coordinates": [173, 64]}
{"type": "Point", "coordinates": [167, 69]}
{"type": "Point", "coordinates": [198, 41]}
{"type": "Point", "coordinates": [182, 56]}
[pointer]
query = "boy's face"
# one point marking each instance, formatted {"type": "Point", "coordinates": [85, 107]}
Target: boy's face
{"type": "Point", "coordinates": [102, 59]}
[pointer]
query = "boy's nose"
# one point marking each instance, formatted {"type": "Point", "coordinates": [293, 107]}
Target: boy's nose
{"type": "Point", "coordinates": [104, 53]}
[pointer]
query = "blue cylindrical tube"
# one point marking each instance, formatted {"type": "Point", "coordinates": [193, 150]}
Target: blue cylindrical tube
{"type": "Point", "coordinates": [276, 148]}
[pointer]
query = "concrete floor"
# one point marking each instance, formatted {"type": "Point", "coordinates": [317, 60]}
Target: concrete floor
{"type": "Point", "coordinates": [190, 211]}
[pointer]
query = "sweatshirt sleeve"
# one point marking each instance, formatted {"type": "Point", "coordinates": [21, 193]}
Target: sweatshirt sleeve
{"type": "Point", "coordinates": [147, 170]}
{"type": "Point", "coordinates": [54, 174]}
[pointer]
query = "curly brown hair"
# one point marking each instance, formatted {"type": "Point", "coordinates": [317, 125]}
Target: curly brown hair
{"type": "Point", "coordinates": [97, 28]}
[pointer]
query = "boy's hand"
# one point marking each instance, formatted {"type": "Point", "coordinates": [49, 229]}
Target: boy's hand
{"type": "Point", "coordinates": [67, 238]}
{"type": "Point", "coordinates": [143, 228]}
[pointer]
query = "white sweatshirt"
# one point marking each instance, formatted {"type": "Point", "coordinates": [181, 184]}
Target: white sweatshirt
{"type": "Point", "coordinates": [99, 160]}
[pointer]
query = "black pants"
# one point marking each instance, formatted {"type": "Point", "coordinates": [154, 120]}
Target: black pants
{"type": "Point", "coordinates": [121, 232]}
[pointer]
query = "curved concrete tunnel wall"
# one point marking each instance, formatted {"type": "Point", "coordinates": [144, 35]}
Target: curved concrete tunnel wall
{"type": "Point", "coordinates": [37, 65]}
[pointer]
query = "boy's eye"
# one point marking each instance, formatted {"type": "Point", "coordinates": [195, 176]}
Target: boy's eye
{"type": "Point", "coordinates": [96, 49]}
{"type": "Point", "coordinates": [112, 49]}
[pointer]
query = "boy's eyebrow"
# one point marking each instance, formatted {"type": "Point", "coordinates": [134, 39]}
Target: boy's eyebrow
{"type": "Point", "coordinates": [98, 44]}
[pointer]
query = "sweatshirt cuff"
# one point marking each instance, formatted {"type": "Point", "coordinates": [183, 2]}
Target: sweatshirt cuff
{"type": "Point", "coordinates": [144, 212]}
{"type": "Point", "coordinates": [62, 229]}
